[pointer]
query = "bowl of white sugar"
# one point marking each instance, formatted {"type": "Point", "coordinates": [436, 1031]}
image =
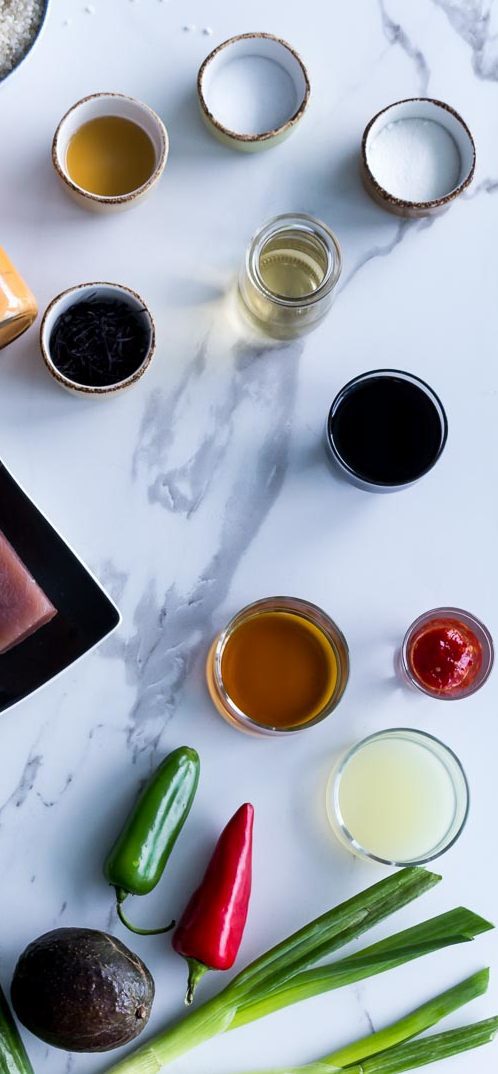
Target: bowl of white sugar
{"type": "Point", "coordinates": [417, 156]}
{"type": "Point", "coordinates": [21, 22]}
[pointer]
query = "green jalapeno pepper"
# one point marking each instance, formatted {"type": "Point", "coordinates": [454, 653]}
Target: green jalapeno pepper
{"type": "Point", "coordinates": [138, 858]}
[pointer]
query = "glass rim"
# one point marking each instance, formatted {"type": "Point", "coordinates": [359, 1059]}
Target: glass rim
{"type": "Point", "coordinates": [333, 787]}
{"type": "Point", "coordinates": [374, 374]}
{"type": "Point", "coordinates": [299, 607]}
{"type": "Point", "coordinates": [483, 636]}
{"type": "Point", "coordinates": [312, 226]}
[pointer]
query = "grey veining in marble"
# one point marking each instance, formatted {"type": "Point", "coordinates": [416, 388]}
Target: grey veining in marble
{"type": "Point", "coordinates": [25, 784]}
{"type": "Point", "coordinates": [397, 35]}
{"type": "Point", "coordinates": [169, 628]}
{"type": "Point", "coordinates": [472, 20]}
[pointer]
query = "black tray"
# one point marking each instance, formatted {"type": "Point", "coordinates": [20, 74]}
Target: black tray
{"type": "Point", "coordinates": [85, 614]}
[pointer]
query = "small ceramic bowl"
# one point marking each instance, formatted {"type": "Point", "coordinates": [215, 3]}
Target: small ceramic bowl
{"type": "Point", "coordinates": [62, 303]}
{"type": "Point", "coordinates": [253, 90]}
{"type": "Point", "coordinates": [109, 104]}
{"type": "Point", "coordinates": [425, 109]}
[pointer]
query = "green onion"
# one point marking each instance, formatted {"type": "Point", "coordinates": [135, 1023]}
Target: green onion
{"type": "Point", "coordinates": [416, 1022]}
{"type": "Point", "coordinates": [281, 976]}
{"type": "Point", "coordinates": [428, 1050]}
{"type": "Point", "coordinates": [411, 1025]}
{"type": "Point", "coordinates": [418, 1053]}
{"type": "Point", "coordinates": [333, 930]}
{"type": "Point", "coordinates": [456, 926]}
{"type": "Point", "coordinates": [13, 1056]}
{"type": "Point", "coordinates": [320, 937]}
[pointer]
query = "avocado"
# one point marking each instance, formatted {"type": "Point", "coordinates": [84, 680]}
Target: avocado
{"type": "Point", "coordinates": [82, 990]}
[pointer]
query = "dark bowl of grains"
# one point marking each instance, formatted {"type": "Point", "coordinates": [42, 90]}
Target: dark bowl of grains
{"type": "Point", "coordinates": [21, 23]}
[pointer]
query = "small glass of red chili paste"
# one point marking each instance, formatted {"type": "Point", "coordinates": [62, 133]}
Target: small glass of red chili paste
{"type": "Point", "coordinates": [447, 653]}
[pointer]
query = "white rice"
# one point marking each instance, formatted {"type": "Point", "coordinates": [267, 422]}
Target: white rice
{"type": "Point", "coordinates": [19, 24]}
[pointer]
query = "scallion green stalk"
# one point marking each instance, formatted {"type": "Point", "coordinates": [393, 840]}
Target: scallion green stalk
{"type": "Point", "coordinates": [418, 1053]}
{"type": "Point", "coordinates": [456, 926]}
{"type": "Point", "coordinates": [13, 1055]}
{"type": "Point", "coordinates": [398, 1032]}
{"type": "Point", "coordinates": [280, 976]}
{"type": "Point", "coordinates": [422, 1018]}
{"type": "Point", "coordinates": [332, 930]}
{"type": "Point", "coordinates": [409, 1056]}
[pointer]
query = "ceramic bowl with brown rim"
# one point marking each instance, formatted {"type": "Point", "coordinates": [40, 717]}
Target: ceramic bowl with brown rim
{"type": "Point", "coordinates": [417, 168]}
{"type": "Point", "coordinates": [101, 106]}
{"type": "Point", "coordinates": [86, 292]}
{"type": "Point", "coordinates": [253, 91]}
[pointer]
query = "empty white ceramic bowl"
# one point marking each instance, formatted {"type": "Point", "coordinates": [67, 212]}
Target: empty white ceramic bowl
{"type": "Point", "coordinates": [63, 302]}
{"type": "Point", "coordinates": [253, 90]}
{"type": "Point", "coordinates": [109, 104]}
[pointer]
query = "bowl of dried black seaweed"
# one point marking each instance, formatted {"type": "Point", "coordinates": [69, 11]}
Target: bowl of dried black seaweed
{"type": "Point", "coordinates": [97, 339]}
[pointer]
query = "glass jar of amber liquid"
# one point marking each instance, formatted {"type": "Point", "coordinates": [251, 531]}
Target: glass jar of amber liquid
{"type": "Point", "coordinates": [289, 276]}
{"type": "Point", "coordinates": [18, 306]}
{"type": "Point", "coordinates": [280, 665]}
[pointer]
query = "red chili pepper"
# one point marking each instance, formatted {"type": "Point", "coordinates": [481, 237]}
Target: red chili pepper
{"type": "Point", "coordinates": [210, 930]}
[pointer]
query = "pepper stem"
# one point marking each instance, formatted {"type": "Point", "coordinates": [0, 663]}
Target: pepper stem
{"type": "Point", "coordinates": [135, 928]}
{"type": "Point", "coordinates": [196, 970]}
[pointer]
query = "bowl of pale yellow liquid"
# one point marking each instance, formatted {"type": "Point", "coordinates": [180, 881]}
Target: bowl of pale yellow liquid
{"type": "Point", "coordinates": [109, 151]}
{"type": "Point", "coordinates": [399, 797]}
{"type": "Point", "coordinates": [290, 273]}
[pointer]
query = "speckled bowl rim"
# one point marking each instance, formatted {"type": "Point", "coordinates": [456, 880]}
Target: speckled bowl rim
{"type": "Point", "coordinates": [265, 135]}
{"type": "Point", "coordinates": [117, 199]}
{"type": "Point", "coordinates": [89, 389]}
{"type": "Point", "coordinates": [403, 203]}
{"type": "Point", "coordinates": [36, 38]}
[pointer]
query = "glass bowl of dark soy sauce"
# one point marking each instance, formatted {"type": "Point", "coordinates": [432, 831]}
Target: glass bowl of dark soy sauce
{"type": "Point", "coordinates": [386, 429]}
{"type": "Point", "coordinates": [97, 339]}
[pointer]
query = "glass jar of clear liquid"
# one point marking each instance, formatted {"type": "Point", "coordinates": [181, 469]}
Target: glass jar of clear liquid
{"type": "Point", "coordinates": [289, 276]}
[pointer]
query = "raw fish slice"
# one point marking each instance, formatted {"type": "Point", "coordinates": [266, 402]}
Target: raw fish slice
{"type": "Point", "coordinates": [24, 607]}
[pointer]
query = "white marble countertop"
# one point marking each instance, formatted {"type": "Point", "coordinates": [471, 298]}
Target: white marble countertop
{"type": "Point", "coordinates": [207, 486]}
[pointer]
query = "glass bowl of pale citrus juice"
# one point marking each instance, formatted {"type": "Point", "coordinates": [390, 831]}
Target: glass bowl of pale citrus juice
{"type": "Point", "coordinates": [399, 797]}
